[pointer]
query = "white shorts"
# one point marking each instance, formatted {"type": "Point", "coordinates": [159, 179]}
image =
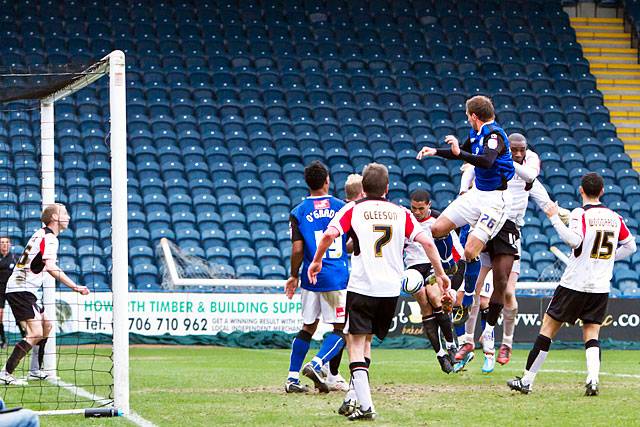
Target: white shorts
{"type": "Point", "coordinates": [485, 211]}
{"type": "Point", "coordinates": [485, 260]}
{"type": "Point", "coordinates": [487, 286]}
{"type": "Point", "coordinates": [330, 304]}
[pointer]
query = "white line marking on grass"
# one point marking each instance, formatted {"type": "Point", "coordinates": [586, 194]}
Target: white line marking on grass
{"type": "Point", "coordinates": [565, 371]}
{"type": "Point", "coordinates": [133, 417]}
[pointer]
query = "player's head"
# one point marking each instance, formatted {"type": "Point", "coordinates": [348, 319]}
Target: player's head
{"type": "Point", "coordinates": [353, 187]}
{"type": "Point", "coordinates": [55, 215]}
{"type": "Point", "coordinates": [592, 186]}
{"type": "Point", "coordinates": [375, 180]}
{"type": "Point", "coordinates": [316, 175]}
{"type": "Point", "coordinates": [421, 204]}
{"type": "Point", "coordinates": [518, 144]}
{"type": "Point", "coordinates": [5, 244]}
{"type": "Point", "coordinates": [479, 110]}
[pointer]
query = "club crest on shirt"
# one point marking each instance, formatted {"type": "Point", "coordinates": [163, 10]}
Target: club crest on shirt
{"type": "Point", "coordinates": [493, 141]}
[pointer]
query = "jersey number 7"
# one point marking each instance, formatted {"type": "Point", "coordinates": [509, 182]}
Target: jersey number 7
{"type": "Point", "coordinates": [387, 232]}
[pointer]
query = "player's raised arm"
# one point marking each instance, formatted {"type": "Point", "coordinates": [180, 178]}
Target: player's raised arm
{"type": "Point", "coordinates": [626, 242]}
{"type": "Point", "coordinates": [56, 272]}
{"type": "Point", "coordinates": [468, 176]}
{"type": "Point", "coordinates": [571, 235]}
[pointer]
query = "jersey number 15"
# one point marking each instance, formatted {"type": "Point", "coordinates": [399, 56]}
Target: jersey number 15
{"type": "Point", "coordinates": [602, 247]}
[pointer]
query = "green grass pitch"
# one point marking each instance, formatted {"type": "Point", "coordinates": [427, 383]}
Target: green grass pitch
{"type": "Point", "coordinates": [209, 386]}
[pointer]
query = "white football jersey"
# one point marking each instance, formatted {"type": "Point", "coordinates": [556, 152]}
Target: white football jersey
{"type": "Point", "coordinates": [414, 252]}
{"type": "Point", "coordinates": [516, 186]}
{"type": "Point", "coordinates": [590, 265]}
{"type": "Point", "coordinates": [28, 274]}
{"type": "Point", "coordinates": [378, 229]}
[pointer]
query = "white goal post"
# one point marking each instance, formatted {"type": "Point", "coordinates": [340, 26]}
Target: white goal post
{"type": "Point", "coordinates": [112, 65]}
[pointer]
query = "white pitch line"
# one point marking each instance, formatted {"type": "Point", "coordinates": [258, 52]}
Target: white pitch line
{"type": "Point", "coordinates": [133, 417]}
{"type": "Point", "coordinates": [565, 371]}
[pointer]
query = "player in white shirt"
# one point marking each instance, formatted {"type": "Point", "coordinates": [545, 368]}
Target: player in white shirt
{"type": "Point", "coordinates": [431, 298]}
{"type": "Point", "coordinates": [28, 276]}
{"type": "Point", "coordinates": [378, 229]}
{"type": "Point", "coordinates": [521, 186]}
{"type": "Point", "coordinates": [598, 237]}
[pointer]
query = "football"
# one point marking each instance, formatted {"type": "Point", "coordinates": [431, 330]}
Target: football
{"type": "Point", "coordinates": [412, 281]}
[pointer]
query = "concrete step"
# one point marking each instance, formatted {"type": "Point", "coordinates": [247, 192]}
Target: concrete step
{"type": "Point", "coordinates": [619, 90]}
{"type": "Point", "coordinates": [615, 97]}
{"type": "Point", "coordinates": [608, 43]}
{"type": "Point", "coordinates": [599, 28]}
{"type": "Point", "coordinates": [602, 36]}
{"type": "Point", "coordinates": [582, 20]}
{"type": "Point", "coordinates": [627, 131]}
{"type": "Point", "coordinates": [595, 67]}
{"type": "Point", "coordinates": [619, 106]}
{"type": "Point", "coordinates": [612, 59]}
{"type": "Point", "coordinates": [626, 123]}
{"type": "Point", "coordinates": [625, 115]}
{"type": "Point", "coordinates": [618, 83]}
{"type": "Point", "coordinates": [614, 75]}
{"type": "Point", "coordinates": [610, 51]}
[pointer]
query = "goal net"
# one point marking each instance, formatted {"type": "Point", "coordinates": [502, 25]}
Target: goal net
{"type": "Point", "coordinates": [64, 141]}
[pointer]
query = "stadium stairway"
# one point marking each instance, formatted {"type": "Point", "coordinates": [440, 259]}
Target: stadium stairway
{"type": "Point", "coordinates": [614, 62]}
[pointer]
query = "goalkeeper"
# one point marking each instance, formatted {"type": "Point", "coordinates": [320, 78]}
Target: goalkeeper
{"type": "Point", "coordinates": [28, 276]}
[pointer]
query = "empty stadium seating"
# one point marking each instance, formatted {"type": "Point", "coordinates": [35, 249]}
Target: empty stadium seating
{"type": "Point", "coordinates": [228, 100]}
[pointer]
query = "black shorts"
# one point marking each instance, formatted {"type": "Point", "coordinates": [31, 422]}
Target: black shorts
{"type": "Point", "coordinates": [568, 305]}
{"type": "Point", "coordinates": [24, 305]}
{"type": "Point", "coordinates": [3, 295]}
{"type": "Point", "coordinates": [369, 315]}
{"type": "Point", "coordinates": [505, 242]}
{"type": "Point", "coordinates": [424, 269]}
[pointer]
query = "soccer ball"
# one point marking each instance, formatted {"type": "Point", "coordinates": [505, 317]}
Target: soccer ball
{"type": "Point", "coordinates": [412, 281]}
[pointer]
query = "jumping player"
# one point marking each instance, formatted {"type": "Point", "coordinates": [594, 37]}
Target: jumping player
{"type": "Point", "coordinates": [598, 237]}
{"type": "Point", "coordinates": [326, 297]}
{"type": "Point", "coordinates": [378, 228]}
{"type": "Point", "coordinates": [485, 206]}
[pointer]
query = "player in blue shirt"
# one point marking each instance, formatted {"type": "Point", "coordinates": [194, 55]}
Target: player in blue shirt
{"type": "Point", "coordinates": [486, 206]}
{"type": "Point", "coordinates": [328, 296]}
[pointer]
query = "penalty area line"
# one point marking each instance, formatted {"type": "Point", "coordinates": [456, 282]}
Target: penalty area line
{"type": "Point", "coordinates": [78, 391]}
{"type": "Point", "coordinates": [610, 374]}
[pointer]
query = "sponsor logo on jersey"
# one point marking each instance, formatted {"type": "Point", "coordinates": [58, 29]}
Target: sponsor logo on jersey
{"type": "Point", "coordinates": [339, 311]}
{"type": "Point", "coordinates": [321, 204]}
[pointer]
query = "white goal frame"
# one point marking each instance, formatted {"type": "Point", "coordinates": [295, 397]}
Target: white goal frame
{"type": "Point", "coordinates": [114, 66]}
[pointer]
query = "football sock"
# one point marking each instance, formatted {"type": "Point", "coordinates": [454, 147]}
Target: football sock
{"type": "Point", "coordinates": [446, 326]}
{"type": "Point", "coordinates": [334, 364]}
{"type": "Point", "coordinates": [360, 378]}
{"type": "Point", "coordinates": [494, 313]}
{"type": "Point", "coordinates": [536, 358]}
{"type": "Point", "coordinates": [592, 348]}
{"type": "Point", "coordinates": [299, 349]}
{"type": "Point", "coordinates": [431, 331]}
{"type": "Point", "coordinates": [3, 337]}
{"type": "Point", "coordinates": [445, 247]}
{"type": "Point", "coordinates": [331, 345]}
{"type": "Point", "coordinates": [35, 354]}
{"type": "Point", "coordinates": [41, 346]}
{"type": "Point", "coordinates": [19, 351]}
{"type": "Point", "coordinates": [470, 324]}
{"type": "Point", "coordinates": [509, 325]}
{"type": "Point", "coordinates": [460, 330]}
{"type": "Point", "coordinates": [470, 278]}
{"type": "Point", "coordinates": [483, 317]}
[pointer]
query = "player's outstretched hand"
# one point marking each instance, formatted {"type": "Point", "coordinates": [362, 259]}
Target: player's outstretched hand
{"type": "Point", "coordinates": [426, 151]}
{"type": "Point", "coordinates": [83, 290]}
{"type": "Point", "coordinates": [291, 286]}
{"type": "Point", "coordinates": [444, 283]}
{"type": "Point", "coordinates": [453, 142]}
{"type": "Point", "coordinates": [313, 271]}
{"type": "Point", "coordinates": [564, 215]}
{"type": "Point", "coordinates": [551, 209]}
